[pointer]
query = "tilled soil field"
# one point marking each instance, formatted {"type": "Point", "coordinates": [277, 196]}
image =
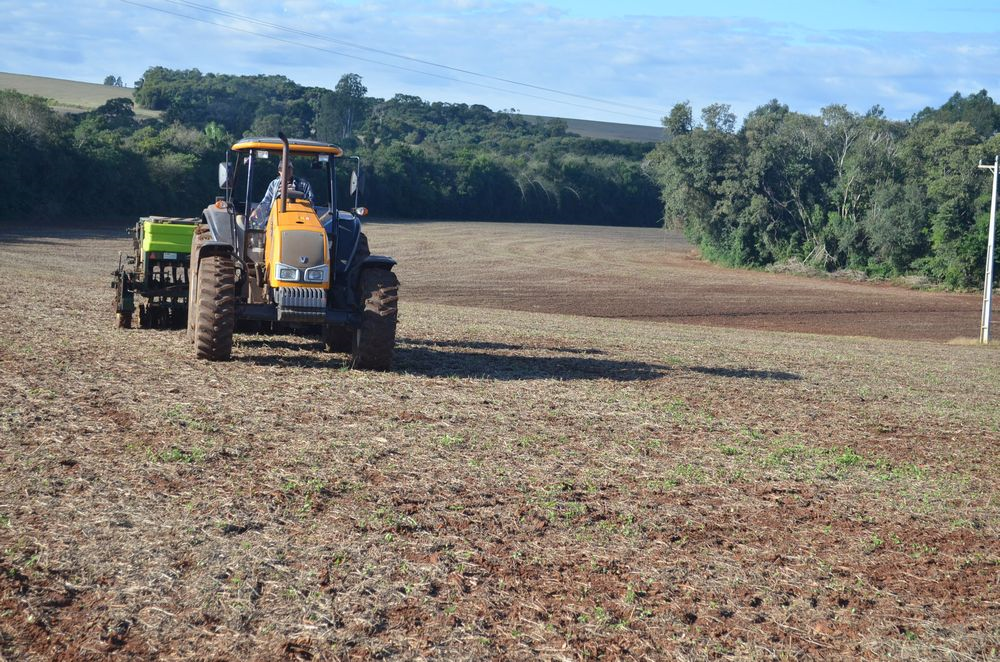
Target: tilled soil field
{"type": "Point", "coordinates": [649, 274]}
{"type": "Point", "coordinates": [524, 485]}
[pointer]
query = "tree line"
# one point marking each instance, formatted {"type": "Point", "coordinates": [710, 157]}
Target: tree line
{"type": "Point", "coordinates": [425, 159]}
{"type": "Point", "coordinates": [100, 164]}
{"type": "Point", "coordinates": [421, 159]}
{"type": "Point", "coordinates": [836, 190]}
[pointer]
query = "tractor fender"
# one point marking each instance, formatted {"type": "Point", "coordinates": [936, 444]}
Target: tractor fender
{"type": "Point", "coordinates": [220, 224]}
{"type": "Point", "coordinates": [370, 262]}
{"type": "Point", "coordinates": [212, 248]}
{"type": "Point", "coordinates": [345, 230]}
{"type": "Point", "coordinates": [203, 245]}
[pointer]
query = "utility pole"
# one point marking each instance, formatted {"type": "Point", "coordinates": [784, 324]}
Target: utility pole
{"type": "Point", "coordinates": [984, 329]}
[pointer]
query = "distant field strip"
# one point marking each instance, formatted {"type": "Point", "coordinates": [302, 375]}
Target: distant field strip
{"type": "Point", "coordinates": [640, 273]}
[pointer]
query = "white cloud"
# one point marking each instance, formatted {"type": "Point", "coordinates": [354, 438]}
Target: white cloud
{"type": "Point", "coordinates": [651, 62]}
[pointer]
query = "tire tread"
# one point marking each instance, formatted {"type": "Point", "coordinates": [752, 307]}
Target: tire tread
{"type": "Point", "coordinates": [215, 316]}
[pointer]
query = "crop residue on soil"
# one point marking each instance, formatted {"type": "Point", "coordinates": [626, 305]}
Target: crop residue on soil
{"type": "Point", "coordinates": [523, 485]}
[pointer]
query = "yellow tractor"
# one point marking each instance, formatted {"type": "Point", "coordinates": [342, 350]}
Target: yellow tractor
{"type": "Point", "coordinates": [295, 264]}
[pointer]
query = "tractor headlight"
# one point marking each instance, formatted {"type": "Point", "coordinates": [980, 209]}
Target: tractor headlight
{"type": "Point", "coordinates": [316, 274]}
{"type": "Point", "coordinates": [285, 272]}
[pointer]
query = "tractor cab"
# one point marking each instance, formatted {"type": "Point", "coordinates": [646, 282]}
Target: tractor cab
{"type": "Point", "coordinates": [253, 166]}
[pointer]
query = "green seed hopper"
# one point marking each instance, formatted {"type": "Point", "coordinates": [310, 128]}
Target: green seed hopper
{"type": "Point", "coordinates": [157, 270]}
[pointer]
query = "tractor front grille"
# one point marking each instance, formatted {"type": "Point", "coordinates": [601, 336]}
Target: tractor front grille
{"type": "Point", "coordinates": [300, 304]}
{"type": "Point", "coordinates": [303, 248]}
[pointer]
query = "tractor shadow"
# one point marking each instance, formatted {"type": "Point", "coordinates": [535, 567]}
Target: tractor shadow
{"type": "Point", "coordinates": [436, 362]}
{"type": "Point", "coordinates": [481, 344]}
{"type": "Point", "coordinates": [459, 359]}
{"type": "Point", "coordinates": [476, 360]}
{"type": "Point", "coordinates": [744, 373]}
{"type": "Point", "coordinates": [311, 345]}
{"type": "Point", "coordinates": [436, 358]}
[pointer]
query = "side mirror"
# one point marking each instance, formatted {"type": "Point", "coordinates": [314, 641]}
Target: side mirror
{"type": "Point", "coordinates": [225, 176]}
{"type": "Point", "coordinates": [354, 182]}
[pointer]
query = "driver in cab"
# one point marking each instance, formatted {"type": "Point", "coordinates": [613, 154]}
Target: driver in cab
{"type": "Point", "coordinates": [258, 219]}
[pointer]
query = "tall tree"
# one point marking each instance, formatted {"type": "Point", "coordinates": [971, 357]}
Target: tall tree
{"type": "Point", "coordinates": [350, 94]}
{"type": "Point", "coordinates": [861, 149]}
{"type": "Point", "coordinates": [680, 120]}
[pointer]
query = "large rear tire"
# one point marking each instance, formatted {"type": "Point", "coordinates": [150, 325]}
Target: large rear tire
{"type": "Point", "coordinates": [215, 308]}
{"type": "Point", "coordinates": [373, 341]}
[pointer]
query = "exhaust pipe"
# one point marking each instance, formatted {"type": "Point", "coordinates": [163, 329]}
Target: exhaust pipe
{"type": "Point", "coordinates": [284, 170]}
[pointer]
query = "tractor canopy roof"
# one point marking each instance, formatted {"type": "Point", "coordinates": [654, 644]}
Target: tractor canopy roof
{"type": "Point", "coordinates": [295, 146]}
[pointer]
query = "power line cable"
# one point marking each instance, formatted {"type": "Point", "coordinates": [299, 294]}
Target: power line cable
{"type": "Point", "coordinates": [378, 62]}
{"type": "Point", "coordinates": [323, 37]}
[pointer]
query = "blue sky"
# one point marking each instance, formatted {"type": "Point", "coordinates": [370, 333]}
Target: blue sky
{"type": "Point", "coordinates": [916, 15]}
{"type": "Point", "coordinates": [626, 60]}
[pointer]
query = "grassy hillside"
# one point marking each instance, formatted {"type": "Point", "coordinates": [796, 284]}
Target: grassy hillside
{"type": "Point", "coordinates": [68, 95]}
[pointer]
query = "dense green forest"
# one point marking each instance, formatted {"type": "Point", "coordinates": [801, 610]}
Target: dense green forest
{"type": "Point", "coordinates": [101, 163]}
{"type": "Point", "coordinates": [835, 190]}
{"type": "Point", "coordinates": [838, 189]}
{"type": "Point", "coordinates": [421, 159]}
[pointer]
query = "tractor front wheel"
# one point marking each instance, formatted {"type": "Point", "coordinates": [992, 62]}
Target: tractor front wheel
{"type": "Point", "coordinates": [373, 341]}
{"type": "Point", "coordinates": [214, 308]}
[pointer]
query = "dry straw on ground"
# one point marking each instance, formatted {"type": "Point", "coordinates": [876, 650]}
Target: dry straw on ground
{"type": "Point", "coordinates": [524, 485]}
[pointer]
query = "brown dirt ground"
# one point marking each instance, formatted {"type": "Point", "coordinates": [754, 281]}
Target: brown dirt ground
{"type": "Point", "coordinates": [524, 485]}
{"type": "Point", "coordinates": [650, 274]}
